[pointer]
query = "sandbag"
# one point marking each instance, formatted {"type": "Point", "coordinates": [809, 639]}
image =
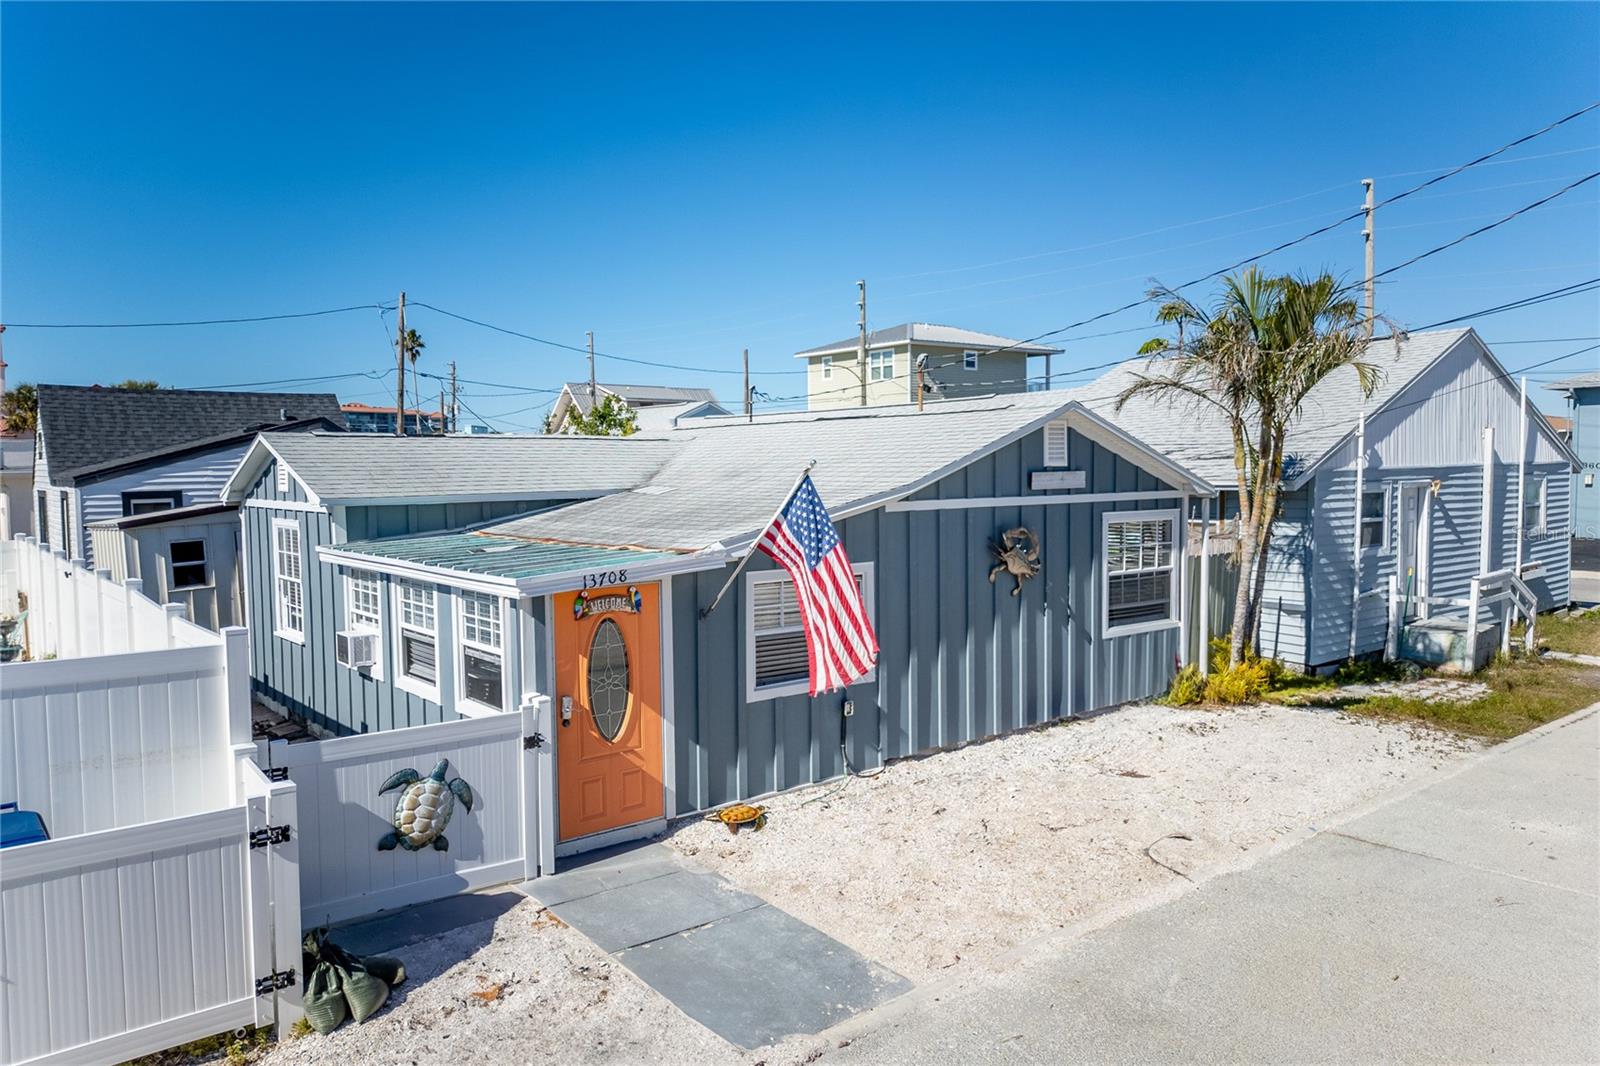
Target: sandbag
{"type": "Point", "coordinates": [324, 1000]}
{"type": "Point", "coordinates": [343, 983]}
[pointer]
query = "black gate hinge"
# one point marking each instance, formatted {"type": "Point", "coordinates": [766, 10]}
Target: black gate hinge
{"type": "Point", "coordinates": [535, 741]}
{"type": "Point", "coordinates": [277, 773]}
{"type": "Point", "coordinates": [272, 834]}
{"type": "Point", "coordinates": [277, 979]}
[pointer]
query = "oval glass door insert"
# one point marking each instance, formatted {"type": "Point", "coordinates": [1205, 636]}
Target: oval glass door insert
{"type": "Point", "coordinates": [608, 679]}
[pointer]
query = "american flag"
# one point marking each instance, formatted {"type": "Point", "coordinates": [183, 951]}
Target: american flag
{"type": "Point", "coordinates": [839, 638]}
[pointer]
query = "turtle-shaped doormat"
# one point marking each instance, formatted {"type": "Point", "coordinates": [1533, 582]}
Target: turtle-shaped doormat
{"type": "Point", "coordinates": [423, 808]}
{"type": "Point", "coordinates": [740, 816]}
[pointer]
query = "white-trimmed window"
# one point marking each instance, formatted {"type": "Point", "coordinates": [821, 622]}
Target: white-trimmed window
{"type": "Point", "coordinates": [186, 565]}
{"type": "Point", "coordinates": [482, 654]}
{"type": "Point", "coordinates": [1534, 501]}
{"type": "Point", "coordinates": [776, 659]}
{"type": "Point", "coordinates": [880, 366]}
{"type": "Point", "coordinates": [1374, 520]}
{"type": "Point", "coordinates": [826, 362]}
{"type": "Point", "coordinates": [363, 601]}
{"type": "Point", "coordinates": [969, 360]}
{"type": "Point", "coordinates": [1139, 571]}
{"type": "Point", "coordinates": [416, 638]}
{"type": "Point", "coordinates": [288, 580]}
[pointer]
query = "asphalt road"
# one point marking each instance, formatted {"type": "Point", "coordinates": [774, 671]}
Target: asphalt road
{"type": "Point", "coordinates": [1455, 923]}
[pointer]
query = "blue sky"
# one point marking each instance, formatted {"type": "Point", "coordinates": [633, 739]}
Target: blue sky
{"type": "Point", "coordinates": [690, 180]}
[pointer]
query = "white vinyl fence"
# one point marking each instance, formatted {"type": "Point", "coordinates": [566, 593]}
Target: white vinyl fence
{"type": "Point", "coordinates": [126, 941]}
{"type": "Point", "coordinates": [343, 874]}
{"type": "Point", "coordinates": [165, 906]}
{"type": "Point", "coordinates": [75, 612]}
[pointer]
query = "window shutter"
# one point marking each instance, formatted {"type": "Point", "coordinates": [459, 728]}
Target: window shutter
{"type": "Point", "coordinates": [1055, 444]}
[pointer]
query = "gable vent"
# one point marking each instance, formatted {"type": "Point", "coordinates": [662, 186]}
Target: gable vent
{"type": "Point", "coordinates": [283, 477]}
{"type": "Point", "coordinates": [1055, 443]}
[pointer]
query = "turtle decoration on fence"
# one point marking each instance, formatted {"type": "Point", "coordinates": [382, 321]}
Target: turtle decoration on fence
{"type": "Point", "coordinates": [423, 808]}
{"type": "Point", "coordinates": [1014, 559]}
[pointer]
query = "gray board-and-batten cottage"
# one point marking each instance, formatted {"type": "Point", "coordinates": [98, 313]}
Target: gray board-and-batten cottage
{"type": "Point", "coordinates": [300, 493]}
{"type": "Point", "coordinates": [1459, 476]}
{"type": "Point", "coordinates": [597, 603]}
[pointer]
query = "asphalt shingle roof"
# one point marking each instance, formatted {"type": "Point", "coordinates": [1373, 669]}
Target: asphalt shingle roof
{"type": "Point", "coordinates": [364, 466]}
{"type": "Point", "coordinates": [724, 477]}
{"type": "Point", "coordinates": [89, 428]}
{"type": "Point", "coordinates": [929, 333]}
{"type": "Point", "coordinates": [1196, 435]}
{"type": "Point", "coordinates": [1580, 381]}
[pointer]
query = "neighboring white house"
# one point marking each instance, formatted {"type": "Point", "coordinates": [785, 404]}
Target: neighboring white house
{"type": "Point", "coordinates": [955, 362]}
{"type": "Point", "coordinates": [16, 473]}
{"type": "Point", "coordinates": [673, 403]}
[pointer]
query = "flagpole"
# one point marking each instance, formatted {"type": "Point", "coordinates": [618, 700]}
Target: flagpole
{"type": "Point", "coordinates": [751, 550]}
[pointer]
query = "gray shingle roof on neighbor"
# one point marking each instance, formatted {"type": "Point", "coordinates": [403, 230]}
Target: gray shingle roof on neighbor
{"type": "Point", "coordinates": [484, 553]}
{"type": "Point", "coordinates": [725, 476]}
{"type": "Point", "coordinates": [1197, 437]}
{"type": "Point", "coordinates": [1580, 381]}
{"type": "Point", "coordinates": [89, 428]}
{"type": "Point", "coordinates": [346, 467]}
{"type": "Point", "coordinates": [636, 394]}
{"type": "Point", "coordinates": [929, 333]}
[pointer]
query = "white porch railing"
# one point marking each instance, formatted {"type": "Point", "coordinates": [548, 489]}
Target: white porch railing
{"type": "Point", "coordinates": [1504, 589]}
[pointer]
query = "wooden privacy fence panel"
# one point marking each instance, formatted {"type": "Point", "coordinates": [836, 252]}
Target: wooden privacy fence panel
{"type": "Point", "coordinates": [126, 941]}
{"type": "Point", "coordinates": [343, 874]}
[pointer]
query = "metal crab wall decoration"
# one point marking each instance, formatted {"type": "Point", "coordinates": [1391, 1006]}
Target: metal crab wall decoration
{"type": "Point", "coordinates": [1015, 559]}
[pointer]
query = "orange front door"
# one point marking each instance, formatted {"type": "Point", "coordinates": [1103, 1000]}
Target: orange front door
{"type": "Point", "coordinates": [608, 740]}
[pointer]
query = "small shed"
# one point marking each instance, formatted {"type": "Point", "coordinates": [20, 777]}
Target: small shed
{"type": "Point", "coordinates": [187, 555]}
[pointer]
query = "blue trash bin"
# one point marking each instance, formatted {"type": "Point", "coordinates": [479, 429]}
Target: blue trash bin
{"type": "Point", "coordinates": [20, 827]}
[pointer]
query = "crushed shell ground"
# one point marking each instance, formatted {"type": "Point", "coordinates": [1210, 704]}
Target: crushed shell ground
{"type": "Point", "coordinates": [935, 863]}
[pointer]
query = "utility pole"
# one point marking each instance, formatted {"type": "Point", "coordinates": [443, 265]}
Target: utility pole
{"type": "Point", "coordinates": [749, 412]}
{"type": "Point", "coordinates": [455, 408]}
{"type": "Point", "coordinates": [400, 368]}
{"type": "Point", "coordinates": [861, 354]}
{"type": "Point", "coordinates": [439, 429]}
{"type": "Point", "coordinates": [1366, 234]}
{"type": "Point", "coordinates": [590, 335]}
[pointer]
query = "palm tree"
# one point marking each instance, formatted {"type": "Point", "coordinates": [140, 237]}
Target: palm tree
{"type": "Point", "coordinates": [1253, 357]}
{"type": "Point", "coordinates": [413, 344]}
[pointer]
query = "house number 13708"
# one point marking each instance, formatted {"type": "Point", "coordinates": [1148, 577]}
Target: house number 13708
{"type": "Point", "coordinates": [602, 578]}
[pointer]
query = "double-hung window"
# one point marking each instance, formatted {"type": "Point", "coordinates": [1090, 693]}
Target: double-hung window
{"type": "Point", "coordinates": [362, 601]}
{"type": "Point", "coordinates": [288, 579]}
{"type": "Point", "coordinates": [1374, 519]}
{"type": "Point", "coordinates": [880, 366]}
{"type": "Point", "coordinates": [482, 657]}
{"type": "Point", "coordinates": [1140, 571]}
{"type": "Point", "coordinates": [1533, 505]}
{"type": "Point", "coordinates": [417, 637]}
{"type": "Point", "coordinates": [969, 360]}
{"type": "Point", "coordinates": [776, 659]}
{"type": "Point", "coordinates": [826, 363]}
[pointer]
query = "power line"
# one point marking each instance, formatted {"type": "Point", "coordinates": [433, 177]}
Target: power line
{"type": "Point", "coordinates": [1575, 289]}
{"type": "Point", "coordinates": [195, 322]}
{"type": "Point", "coordinates": [375, 375]}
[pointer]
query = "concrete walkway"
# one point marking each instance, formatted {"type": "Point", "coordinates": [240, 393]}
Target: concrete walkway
{"type": "Point", "coordinates": [747, 971]}
{"type": "Point", "coordinates": [1455, 923]}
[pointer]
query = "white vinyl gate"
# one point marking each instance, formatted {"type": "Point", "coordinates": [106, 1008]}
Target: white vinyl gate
{"type": "Point", "coordinates": [125, 941]}
{"type": "Point", "coordinates": [343, 875]}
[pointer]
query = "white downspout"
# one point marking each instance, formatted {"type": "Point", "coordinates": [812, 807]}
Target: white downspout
{"type": "Point", "coordinates": [1355, 585]}
{"type": "Point", "coordinates": [1205, 587]}
{"type": "Point", "coordinates": [1522, 474]}
{"type": "Point", "coordinates": [1486, 504]}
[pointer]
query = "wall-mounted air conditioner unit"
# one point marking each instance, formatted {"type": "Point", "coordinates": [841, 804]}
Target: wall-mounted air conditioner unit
{"type": "Point", "coordinates": [356, 647]}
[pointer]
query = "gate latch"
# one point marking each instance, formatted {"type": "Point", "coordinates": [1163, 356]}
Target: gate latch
{"type": "Point", "coordinates": [274, 981]}
{"type": "Point", "coordinates": [535, 741]}
{"type": "Point", "coordinates": [268, 836]}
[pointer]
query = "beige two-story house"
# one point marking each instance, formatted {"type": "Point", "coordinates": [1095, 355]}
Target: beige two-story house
{"type": "Point", "coordinates": [956, 363]}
